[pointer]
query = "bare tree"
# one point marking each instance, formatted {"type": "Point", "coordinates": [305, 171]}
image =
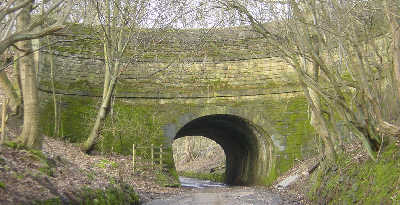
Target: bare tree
{"type": "Point", "coordinates": [123, 25]}
{"type": "Point", "coordinates": [337, 49]}
{"type": "Point", "coordinates": [19, 28]}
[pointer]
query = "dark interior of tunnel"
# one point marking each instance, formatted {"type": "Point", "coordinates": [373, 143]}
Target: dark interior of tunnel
{"type": "Point", "coordinates": [237, 137]}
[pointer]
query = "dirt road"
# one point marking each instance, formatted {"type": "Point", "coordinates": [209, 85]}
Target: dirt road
{"type": "Point", "coordinates": [227, 196]}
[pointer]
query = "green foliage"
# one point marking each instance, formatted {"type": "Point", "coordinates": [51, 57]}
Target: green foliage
{"type": "Point", "coordinates": [77, 116]}
{"type": "Point", "coordinates": [296, 132]}
{"type": "Point", "coordinates": [46, 165]}
{"type": "Point", "coordinates": [13, 145]}
{"type": "Point", "coordinates": [215, 177]}
{"type": "Point", "coordinates": [167, 178]}
{"type": "Point", "coordinates": [112, 195]}
{"type": "Point", "coordinates": [131, 124]}
{"type": "Point", "coordinates": [54, 201]}
{"type": "Point", "coordinates": [37, 154]}
{"type": "Point", "coordinates": [104, 163]}
{"type": "Point", "coordinates": [91, 175]}
{"type": "Point", "coordinates": [167, 175]}
{"type": "Point", "coordinates": [272, 176]}
{"type": "Point", "coordinates": [2, 185]}
{"type": "Point", "coordinates": [123, 195]}
{"type": "Point", "coordinates": [369, 182]}
{"type": "Point", "coordinates": [18, 175]}
{"type": "Point", "coordinates": [46, 169]}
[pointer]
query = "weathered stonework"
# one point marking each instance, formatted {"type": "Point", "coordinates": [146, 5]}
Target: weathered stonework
{"type": "Point", "coordinates": [230, 89]}
{"type": "Point", "coordinates": [181, 63]}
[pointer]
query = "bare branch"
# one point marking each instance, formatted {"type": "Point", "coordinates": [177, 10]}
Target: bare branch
{"type": "Point", "coordinates": [8, 10]}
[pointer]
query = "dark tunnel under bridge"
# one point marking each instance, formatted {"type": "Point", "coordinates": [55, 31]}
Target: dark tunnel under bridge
{"type": "Point", "coordinates": [245, 145]}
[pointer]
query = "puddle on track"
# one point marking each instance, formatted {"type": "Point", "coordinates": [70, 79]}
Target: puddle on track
{"type": "Point", "coordinates": [198, 183]}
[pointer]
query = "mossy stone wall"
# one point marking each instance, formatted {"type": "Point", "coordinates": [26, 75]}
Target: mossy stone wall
{"type": "Point", "coordinates": [151, 121]}
{"type": "Point", "coordinates": [177, 80]}
{"type": "Point", "coordinates": [169, 63]}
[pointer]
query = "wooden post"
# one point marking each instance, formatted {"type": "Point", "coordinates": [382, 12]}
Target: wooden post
{"type": "Point", "coordinates": [3, 121]}
{"type": "Point", "coordinates": [60, 123]}
{"type": "Point", "coordinates": [152, 155]}
{"type": "Point", "coordinates": [133, 157]}
{"type": "Point", "coordinates": [161, 158]}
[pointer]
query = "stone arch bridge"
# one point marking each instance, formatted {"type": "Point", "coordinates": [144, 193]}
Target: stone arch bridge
{"type": "Point", "coordinates": [231, 90]}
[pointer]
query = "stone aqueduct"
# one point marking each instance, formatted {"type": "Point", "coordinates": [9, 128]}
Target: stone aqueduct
{"type": "Point", "coordinates": [229, 89]}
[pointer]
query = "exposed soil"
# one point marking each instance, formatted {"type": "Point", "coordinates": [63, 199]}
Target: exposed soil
{"type": "Point", "coordinates": [27, 178]}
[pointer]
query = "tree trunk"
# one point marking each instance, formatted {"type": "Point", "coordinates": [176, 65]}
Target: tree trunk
{"type": "Point", "coordinates": [396, 53]}
{"type": "Point", "coordinates": [30, 135]}
{"type": "Point", "coordinates": [392, 12]}
{"type": "Point", "coordinates": [319, 124]}
{"type": "Point", "coordinates": [11, 93]}
{"type": "Point", "coordinates": [100, 118]}
{"type": "Point", "coordinates": [17, 81]}
{"type": "Point", "coordinates": [50, 57]}
{"type": "Point", "coordinates": [4, 116]}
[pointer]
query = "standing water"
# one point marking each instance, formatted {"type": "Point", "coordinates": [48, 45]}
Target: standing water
{"type": "Point", "coordinates": [198, 183]}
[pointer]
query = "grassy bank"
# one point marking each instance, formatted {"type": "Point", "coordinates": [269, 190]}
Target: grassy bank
{"type": "Point", "coordinates": [112, 195]}
{"type": "Point", "coordinates": [354, 181]}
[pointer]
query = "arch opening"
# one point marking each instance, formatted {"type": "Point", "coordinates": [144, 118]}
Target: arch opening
{"type": "Point", "coordinates": [244, 145]}
{"type": "Point", "coordinates": [198, 155]}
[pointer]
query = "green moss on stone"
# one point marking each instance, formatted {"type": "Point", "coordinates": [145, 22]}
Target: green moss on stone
{"type": "Point", "coordinates": [77, 116]}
